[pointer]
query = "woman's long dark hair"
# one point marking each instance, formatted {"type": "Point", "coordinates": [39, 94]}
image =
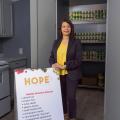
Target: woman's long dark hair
{"type": "Point", "coordinates": [72, 29]}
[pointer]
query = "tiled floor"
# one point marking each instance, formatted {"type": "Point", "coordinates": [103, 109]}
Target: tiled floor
{"type": "Point", "coordinates": [90, 105]}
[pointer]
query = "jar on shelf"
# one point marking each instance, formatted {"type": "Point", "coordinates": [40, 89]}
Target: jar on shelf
{"type": "Point", "coordinates": [101, 79]}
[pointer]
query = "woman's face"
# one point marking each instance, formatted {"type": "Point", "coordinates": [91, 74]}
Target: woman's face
{"type": "Point", "coordinates": [65, 29]}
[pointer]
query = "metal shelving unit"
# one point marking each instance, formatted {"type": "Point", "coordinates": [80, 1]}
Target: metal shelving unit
{"type": "Point", "coordinates": [82, 42]}
{"type": "Point", "coordinates": [88, 60]}
{"type": "Point", "coordinates": [91, 86]}
{"type": "Point", "coordinates": [91, 45]}
{"type": "Point", "coordinates": [89, 22]}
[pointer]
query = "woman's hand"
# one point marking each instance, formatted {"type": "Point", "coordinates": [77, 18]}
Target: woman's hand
{"type": "Point", "coordinates": [58, 66]}
{"type": "Point", "coordinates": [62, 67]}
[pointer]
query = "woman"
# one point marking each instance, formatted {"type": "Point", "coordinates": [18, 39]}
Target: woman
{"type": "Point", "coordinates": [65, 58]}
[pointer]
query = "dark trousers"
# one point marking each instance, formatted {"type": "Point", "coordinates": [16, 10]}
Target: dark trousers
{"type": "Point", "coordinates": [68, 89]}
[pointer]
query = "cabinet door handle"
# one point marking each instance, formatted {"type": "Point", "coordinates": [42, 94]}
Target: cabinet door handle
{"type": "Point", "coordinates": [1, 80]}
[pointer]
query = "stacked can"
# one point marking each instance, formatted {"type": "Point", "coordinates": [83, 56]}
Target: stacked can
{"type": "Point", "coordinates": [87, 15]}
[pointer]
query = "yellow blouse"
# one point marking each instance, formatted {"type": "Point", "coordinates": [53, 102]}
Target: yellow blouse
{"type": "Point", "coordinates": [61, 57]}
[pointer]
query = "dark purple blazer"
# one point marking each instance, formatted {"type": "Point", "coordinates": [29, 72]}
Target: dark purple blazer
{"type": "Point", "coordinates": [73, 58]}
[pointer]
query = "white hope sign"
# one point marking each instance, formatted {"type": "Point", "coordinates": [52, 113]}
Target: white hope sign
{"type": "Point", "coordinates": [38, 95]}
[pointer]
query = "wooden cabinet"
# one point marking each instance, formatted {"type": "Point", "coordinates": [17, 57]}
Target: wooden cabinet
{"type": "Point", "coordinates": [18, 64]}
{"type": "Point", "coordinates": [15, 64]}
{"type": "Point", "coordinates": [6, 25]}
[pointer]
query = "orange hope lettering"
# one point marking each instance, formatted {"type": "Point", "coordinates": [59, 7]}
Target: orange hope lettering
{"type": "Point", "coordinates": [36, 80]}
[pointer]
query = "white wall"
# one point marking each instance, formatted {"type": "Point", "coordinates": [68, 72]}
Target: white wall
{"type": "Point", "coordinates": [112, 90]}
{"type": "Point", "coordinates": [33, 28]}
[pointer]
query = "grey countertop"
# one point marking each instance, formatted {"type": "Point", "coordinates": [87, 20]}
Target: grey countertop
{"type": "Point", "coordinates": [15, 59]}
{"type": "Point", "coordinates": [11, 59]}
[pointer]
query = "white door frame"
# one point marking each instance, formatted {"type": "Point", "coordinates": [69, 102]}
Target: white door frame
{"type": "Point", "coordinates": [33, 33]}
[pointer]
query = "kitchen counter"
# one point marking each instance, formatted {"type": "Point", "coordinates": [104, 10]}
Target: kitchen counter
{"type": "Point", "coordinates": [12, 59]}
{"type": "Point", "coordinates": [14, 63]}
